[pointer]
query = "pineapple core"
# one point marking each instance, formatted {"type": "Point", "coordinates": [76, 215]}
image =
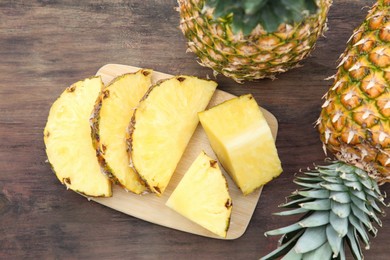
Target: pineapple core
{"type": "Point", "coordinates": [243, 142]}
{"type": "Point", "coordinates": [203, 196]}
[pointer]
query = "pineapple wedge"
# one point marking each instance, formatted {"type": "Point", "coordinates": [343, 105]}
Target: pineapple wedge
{"type": "Point", "coordinates": [162, 126]}
{"type": "Point", "coordinates": [67, 137]}
{"type": "Point", "coordinates": [203, 196]}
{"type": "Point", "coordinates": [113, 111]}
{"type": "Point", "coordinates": [243, 142]}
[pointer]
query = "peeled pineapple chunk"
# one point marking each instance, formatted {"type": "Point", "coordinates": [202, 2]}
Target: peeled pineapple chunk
{"type": "Point", "coordinates": [243, 142]}
{"type": "Point", "coordinates": [112, 115]}
{"type": "Point", "coordinates": [162, 126]}
{"type": "Point", "coordinates": [203, 196]}
{"type": "Point", "coordinates": [67, 137]}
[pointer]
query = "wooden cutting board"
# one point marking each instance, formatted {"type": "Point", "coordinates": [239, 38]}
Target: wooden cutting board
{"type": "Point", "coordinates": [151, 208]}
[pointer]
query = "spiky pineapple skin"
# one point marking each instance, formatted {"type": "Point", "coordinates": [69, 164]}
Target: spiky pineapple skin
{"type": "Point", "coordinates": [131, 182]}
{"type": "Point", "coordinates": [255, 56]}
{"type": "Point", "coordinates": [354, 122]}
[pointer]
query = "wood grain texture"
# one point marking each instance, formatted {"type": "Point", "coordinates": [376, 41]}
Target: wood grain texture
{"type": "Point", "coordinates": [47, 45]}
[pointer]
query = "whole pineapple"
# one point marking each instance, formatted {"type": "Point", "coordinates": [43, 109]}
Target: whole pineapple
{"type": "Point", "coordinates": [252, 39]}
{"type": "Point", "coordinates": [340, 201]}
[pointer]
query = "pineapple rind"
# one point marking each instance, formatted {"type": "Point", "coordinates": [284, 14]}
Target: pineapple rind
{"type": "Point", "coordinates": [243, 142]}
{"type": "Point", "coordinates": [162, 126]}
{"type": "Point", "coordinates": [67, 136]}
{"type": "Point", "coordinates": [260, 54]}
{"type": "Point", "coordinates": [113, 111]}
{"type": "Point", "coordinates": [203, 196]}
{"type": "Point", "coordinates": [354, 121]}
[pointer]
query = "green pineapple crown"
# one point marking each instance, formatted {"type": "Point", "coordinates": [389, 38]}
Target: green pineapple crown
{"type": "Point", "coordinates": [340, 203]}
{"type": "Point", "coordinates": [245, 15]}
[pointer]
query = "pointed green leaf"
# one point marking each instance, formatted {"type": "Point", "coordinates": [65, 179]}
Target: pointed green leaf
{"type": "Point", "coordinates": [367, 182]}
{"type": "Point", "coordinates": [291, 212]}
{"type": "Point", "coordinates": [361, 216]}
{"type": "Point", "coordinates": [292, 255]}
{"type": "Point", "coordinates": [252, 7]}
{"type": "Point", "coordinates": [319, 204]}
{"type": "Point", "coordinates": [334, 187]}
{"type": "Point", "coordinates": [373, 216]}
{"type": "Point", "coordinates": [316, 194]}
{"type": "Point", "coordinates": [284, 248]}
{"type": "Point", "coordinates": [360, 229]}
{"type": "Point", "coordinates": [309, 179]}
{"type": "Point", "coordinates": [340, 196]}
{"type": "Point", "coordinates": [316, 219]}
{"type": "Point", "coordinates": [308, 185]}
{"type": "Point", "coordinates": [323, 252]}
{"type": "Point", "coordinates": [348, 176]}
{"type": "Point", "coordinates": [334, 240]}
{"type": "Point", "coordinates": [375, 206]}
{"type": "Point", "coordinates": [335, 180]}
{"type": "Point", "coordinates": [312, 239]}
{"type": "Point", "coordinates": [341, 209]}
{"type": "Point", "coordinates": [361, 204]}
{"type": "Point", "coordinates": [355, 185]}
{"type": "Point", "coordinates": [283, 230]}
{"type": "Point", "coordinates": [354, 244]}
{"type": "Point", "coordinates": [340, 225]}
{"type": "Point", "coordinates": [295, 203]}
{"type": "Point", "coordinates": [371, 193]}
{"type": "Point", "coordinates": [359, 194]}
{"type": "Point", "coordinates": [312, 173]}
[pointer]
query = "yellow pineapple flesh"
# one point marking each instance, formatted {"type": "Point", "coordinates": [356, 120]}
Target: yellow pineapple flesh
{"type": "Point", "coordinates": [243, 142]}
{"type": "Point", "coordinates": [162, 126]}
{"type": "Point", "coordinates": [112, 115]}
{"type": "Point", "coordinates": [203, 196]}
{"type": "Point", "coordinates": [67, 137]}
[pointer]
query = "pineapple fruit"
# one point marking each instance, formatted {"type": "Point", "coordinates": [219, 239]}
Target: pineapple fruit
{"type": "Point", "coordinates": [162, 126]}
{"type": "Point", "coordinates": [243, 142]}
{"type": "Point", "coordinates": [67, 137]}
{"type": "Point", "coordinates": [248, 40]}
{"type": "Point", "coordinates": [113, 111]}
{"type": "Point", "coordinates": [341, 200]}
{"type": "Point", "coordinates": [203, 196]}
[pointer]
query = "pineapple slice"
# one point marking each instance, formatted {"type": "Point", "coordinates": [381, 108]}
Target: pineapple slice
{"type": "Point", "coordinates": [203, 196]}
{"type": "Point", "coordinates": [242, 141]}
{"type": "Point", "coordinates": [162, 126]}
{"type": "Point", "coordinates": [111, 118]}
{"type": "Point", "coordinates": [67, 137]}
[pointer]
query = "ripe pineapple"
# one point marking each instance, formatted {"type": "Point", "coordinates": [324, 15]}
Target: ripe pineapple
{"type": "Point", "coordinates": [113, 111]}
{"type": "Point", "coordinates": [203, 196]}
{"type": "Point", "coordinates": [247, 40]}
{"type": "Point", "coordinates": [354, 120]}
{"type": "Point", "coordinates": [67, 137]}
{"type": "Point", "coordinates": [242, 141]}
{"type": "Point", "coordinates": [162, 126]}
{"type": "Point", "coordinates": [340, 201]}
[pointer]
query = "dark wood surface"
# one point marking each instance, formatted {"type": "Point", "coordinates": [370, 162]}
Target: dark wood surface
{"type": "Point", "coordinates": [47, 45]}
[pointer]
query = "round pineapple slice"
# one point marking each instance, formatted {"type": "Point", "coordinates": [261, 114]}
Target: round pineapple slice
{"type": "Point", "coordinates": [112, 115]}
{"type": "Point", "coordinates": [67, 137]}
{"type": "Point", "coordinates": [162, 126]}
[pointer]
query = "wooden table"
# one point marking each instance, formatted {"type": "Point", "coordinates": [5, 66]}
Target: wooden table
{"type": "Point", "coordinates": [47, 45]}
